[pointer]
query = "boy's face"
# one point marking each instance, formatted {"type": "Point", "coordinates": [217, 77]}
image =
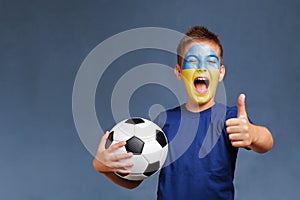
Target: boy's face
{"type": "Point", "coordinates": [201, 71]}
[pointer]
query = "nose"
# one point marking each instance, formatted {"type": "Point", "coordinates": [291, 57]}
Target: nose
{"type": "Point", "coordinates": [201, 66]}
{"type": "Point", "coordinates": [202, 70]}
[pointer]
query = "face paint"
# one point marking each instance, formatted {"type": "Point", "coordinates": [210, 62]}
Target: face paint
{"type": "Point", "coordinates": [200, 56]}
{"type": "Point", "coordinates": [200, 71]}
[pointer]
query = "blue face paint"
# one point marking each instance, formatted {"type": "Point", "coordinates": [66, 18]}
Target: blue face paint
{"type": "Point", "coordinates": [200, 56]}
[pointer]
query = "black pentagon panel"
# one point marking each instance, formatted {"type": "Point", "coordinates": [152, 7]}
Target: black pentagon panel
{"type": "Point", "coordinates": [134, 145]}
{"type": "Point", "coordinates": [109, 140]}
{"type": "Point", "coordinates": [151, 169]}
{"type": "Point", "coordinates": [134, 121]}
{"type": "Point", "coordinates": [161, 139]}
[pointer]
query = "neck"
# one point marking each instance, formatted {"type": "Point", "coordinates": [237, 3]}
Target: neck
{"type": "Point", "coordinates": [193, 106]}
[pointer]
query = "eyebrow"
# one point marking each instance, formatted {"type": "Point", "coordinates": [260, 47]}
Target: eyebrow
{"type": "Point", "coordinates": [214, 56]}
{"type": "Point", "coordinates": [194, 56]}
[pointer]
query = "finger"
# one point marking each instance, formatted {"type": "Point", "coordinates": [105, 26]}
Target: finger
{"type": "Point", "coordinates": [121, 165]}
{"type": "Point", "coordinates": [122, 156]}
{"type": "Point", "coordinates": [241, 106]}
{"type": "Point", "coordinates": [233, 122]}
{"type": "Point", "coordinates": [116, 146]}
{"type": "Point", "coordinates": [237, 137]}
{"type": "Point", "coordinates": [239, 144]}
{"type": "Point", "coordinates": [101, 145]}
{"type": "Point", "coordinates": [233, 129]}
{"type": "Point", "coordinates": [123, 171]}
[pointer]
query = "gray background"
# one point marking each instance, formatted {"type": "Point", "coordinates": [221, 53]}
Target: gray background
{"type": "Point", "coordinates": [43, 44]}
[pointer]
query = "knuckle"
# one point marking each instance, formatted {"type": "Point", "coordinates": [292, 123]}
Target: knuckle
{"type": "Point", "coordinates": [227, 122]}
{"type": "Point", "coordinates": [119, 165]}
{"type": "Point", "coordinates": [122, 156]}
{"type": "Point", "coordinates": [229, 129]}
{"type": "Point", "coordinates": [126, 156]}
{"type": "Point", "coordinates": [113, 147]}
{"type": "Point", "coordinates": [115, 157]}
{"type": "Point", "coordinates": [244, 128]}
{"type": "Point", "coordinates": [243, 120]}
{"type": "Point", "coordinates": [233, 144]}
{"type": "Point", "coordinates": [130, 164]}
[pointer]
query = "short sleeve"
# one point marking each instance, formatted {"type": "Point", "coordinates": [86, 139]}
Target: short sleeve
{"type": "Point", "coordinates": [161, 119]}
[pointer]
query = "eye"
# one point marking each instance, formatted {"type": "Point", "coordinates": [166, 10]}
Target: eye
{"type": "Point", "coordinates": [212, 62]}
{"type": "Point", "coordinates": [192, 61]}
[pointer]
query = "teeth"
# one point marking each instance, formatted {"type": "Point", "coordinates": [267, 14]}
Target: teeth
{"type": "Point", "coordinates": [203, 79]}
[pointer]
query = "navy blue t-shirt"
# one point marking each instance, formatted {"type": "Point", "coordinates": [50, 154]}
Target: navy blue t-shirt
{"type": "Point", "coordinates": [201, 160]}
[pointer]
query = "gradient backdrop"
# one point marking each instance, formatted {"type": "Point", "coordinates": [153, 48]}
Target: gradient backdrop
{"type": "Point", "coordinates": [43, 44]}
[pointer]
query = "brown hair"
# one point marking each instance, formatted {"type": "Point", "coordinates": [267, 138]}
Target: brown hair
{"type": "Point", "coordinates": [197, 33]}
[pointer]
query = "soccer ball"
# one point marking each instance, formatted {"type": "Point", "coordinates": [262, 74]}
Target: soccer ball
{"type": "Point", "coordinates": [146, 141]}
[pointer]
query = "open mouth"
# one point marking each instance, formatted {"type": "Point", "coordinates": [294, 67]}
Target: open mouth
{"type": "Point", "coordinates": [201, 84]}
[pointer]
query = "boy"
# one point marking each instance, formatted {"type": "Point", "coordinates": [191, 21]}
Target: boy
{"type": "Point", "coordinates": [205, 169]}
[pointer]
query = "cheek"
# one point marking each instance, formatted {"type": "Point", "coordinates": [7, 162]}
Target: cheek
{"type": "Point", "coordinates": [188, 75]}
{"type": "Point", "coordinates": [214, 74]}
{"type": "Point", "coordinates": [214, 78]}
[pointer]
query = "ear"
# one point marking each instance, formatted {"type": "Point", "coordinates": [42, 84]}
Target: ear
{"type": "Point", "coordinates": [222, 73]}
{"type": "Point", "coordinates": [177, 71]}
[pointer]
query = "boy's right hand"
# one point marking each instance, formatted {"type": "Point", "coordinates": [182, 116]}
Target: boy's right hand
{"type": "Point", "coordinates": [107, 161]}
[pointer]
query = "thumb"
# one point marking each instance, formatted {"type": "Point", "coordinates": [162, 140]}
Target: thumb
{"type": "Point", "coordinates": [102, 143]}
{"type": "Point", "coordinates": [241, 106]}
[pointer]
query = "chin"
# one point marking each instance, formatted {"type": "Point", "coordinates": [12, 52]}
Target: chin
{"type": "Point", "coordinates": [200, 100]}
{"type": "Point", "coordinates": [203, 102]}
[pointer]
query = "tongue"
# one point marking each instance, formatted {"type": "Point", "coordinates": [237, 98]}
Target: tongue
{"type": "Point", "coordinates": [201, 88]}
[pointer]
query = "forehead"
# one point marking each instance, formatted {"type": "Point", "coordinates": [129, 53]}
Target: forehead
{"type": "Point", "coordinates": [204, 46]}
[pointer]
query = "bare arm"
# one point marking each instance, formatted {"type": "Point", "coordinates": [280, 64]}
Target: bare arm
{"type": "Point", "coordinates": [114, 178]}
{"type": "Point", "coordinates": [262, 140]}
{"type": "Point", "coordinates": [106, 162]}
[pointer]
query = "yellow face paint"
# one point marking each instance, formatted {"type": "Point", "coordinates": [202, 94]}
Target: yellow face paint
{"type": "Point", "coordinates": [200, 72]}
{"type": "Point", "coordinates": [201, 85]}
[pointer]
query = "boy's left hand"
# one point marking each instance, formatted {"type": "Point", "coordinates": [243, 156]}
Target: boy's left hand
{"type": "Point", "coordinates": [239, 129]}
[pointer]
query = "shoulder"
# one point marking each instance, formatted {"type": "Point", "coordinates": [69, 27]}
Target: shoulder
{"type": "Point", "coordinates": [221, 111]}
{"type": "Point", "coordinates": [170, 115]}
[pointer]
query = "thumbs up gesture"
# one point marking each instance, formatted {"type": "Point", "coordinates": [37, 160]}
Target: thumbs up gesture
{"type": "Point", "coordinates": [239, 129]}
